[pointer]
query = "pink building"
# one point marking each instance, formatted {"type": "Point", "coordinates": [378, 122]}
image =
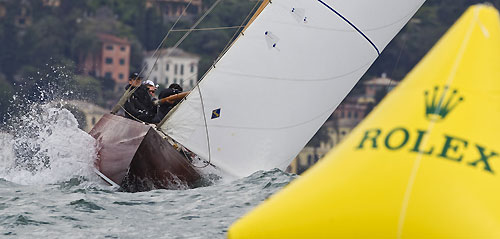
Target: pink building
{"type": "Point", "coordinates": [112, 61]}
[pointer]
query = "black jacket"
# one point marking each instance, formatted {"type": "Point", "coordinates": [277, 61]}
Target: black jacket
{"type": "Point", "coordinates": [140, 105]}
{"type": "Point", "coordinates": [165, 107]}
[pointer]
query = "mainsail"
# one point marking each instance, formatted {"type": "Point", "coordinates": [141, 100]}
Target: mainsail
{"type": "Point", "coordinates": [282, 78]}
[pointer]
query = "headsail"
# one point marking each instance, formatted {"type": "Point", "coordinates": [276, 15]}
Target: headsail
{"type": "Point", "coordinates": [281, 80]}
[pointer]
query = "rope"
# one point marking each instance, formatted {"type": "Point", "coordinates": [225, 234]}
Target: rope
{"type": "Point", "coordinates": [207, 29]}
{"type": "Point", "coordinates": [206, 127]}
{"type": "Point", "coordinates": [126, 112]}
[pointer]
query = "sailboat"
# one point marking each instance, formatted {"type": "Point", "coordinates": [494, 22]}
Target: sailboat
{"type": "Point", "coordinates": [265, 98]}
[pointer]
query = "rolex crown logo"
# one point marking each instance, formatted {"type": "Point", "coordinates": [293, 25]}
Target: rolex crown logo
{"type": "Point", "coordinates": [441, 103]}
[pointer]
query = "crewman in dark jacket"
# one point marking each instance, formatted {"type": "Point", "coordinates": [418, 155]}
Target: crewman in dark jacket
{"type": "Point", "coordinates": [139, 106]}
{"type": "Point", "coordinates": [166, 106]}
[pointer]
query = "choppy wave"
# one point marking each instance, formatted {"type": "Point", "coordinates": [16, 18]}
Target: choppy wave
{"type": "Point", "coordinates": [58, 211]}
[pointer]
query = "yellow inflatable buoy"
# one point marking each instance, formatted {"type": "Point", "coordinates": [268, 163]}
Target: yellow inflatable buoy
{"type": "Point", "coordinates": [424, 164]}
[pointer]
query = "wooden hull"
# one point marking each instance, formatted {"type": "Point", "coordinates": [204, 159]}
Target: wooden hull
{"type": "Point", "coordinates": [136, 157]}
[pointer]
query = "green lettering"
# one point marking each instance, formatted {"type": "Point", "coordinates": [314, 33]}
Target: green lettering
{"type": "Point", "coordinates": [405, 139]}
{"type": "Point", "coordinates": [372, 135]}
{"type": "Point", "coordinates": [416, 148]}
{"type": "Point", "coordinates": [454, 147]}
{"type": "Point", "coordinates": [484, 159]}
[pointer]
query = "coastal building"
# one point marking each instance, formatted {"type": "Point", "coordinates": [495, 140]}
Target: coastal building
{"type": "Point", "coordinates": [111, 61]}
{"type": "Point", "coordinates": [377, 84]}
{"type": "Point", "coordinates": [172, 66]}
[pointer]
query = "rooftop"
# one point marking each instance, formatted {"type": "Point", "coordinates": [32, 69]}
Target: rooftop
{"type": "Point", "coordinates": [106, 38]}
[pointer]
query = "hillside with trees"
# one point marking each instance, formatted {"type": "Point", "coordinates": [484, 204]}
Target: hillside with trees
{"type": "Point", "coordinates": [42, 52]}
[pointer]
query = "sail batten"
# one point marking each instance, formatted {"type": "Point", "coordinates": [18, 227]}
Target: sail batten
{"type": "Point", "coordinates": [280, 81]}
{"type": "Point", "coordinates": [351, 24]}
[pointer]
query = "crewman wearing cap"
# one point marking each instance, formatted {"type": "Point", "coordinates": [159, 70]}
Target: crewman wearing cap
{"type": "Point", "coordinates": [140, 105]}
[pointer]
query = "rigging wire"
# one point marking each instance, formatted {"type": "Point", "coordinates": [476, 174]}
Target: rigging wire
{"type": "Point", "coordinates": [396, 65]}
{"type": "Point", "coordinates": [163, 41]}
{"type": "Point", "coordinates": [207, 29]}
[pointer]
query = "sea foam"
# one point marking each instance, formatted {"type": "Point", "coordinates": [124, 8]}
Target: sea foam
{"type": "Point", "coordinates": [45, 146]}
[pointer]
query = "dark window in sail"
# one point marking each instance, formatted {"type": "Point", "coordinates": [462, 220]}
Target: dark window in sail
{"type": "Point", "coordinates": [109, 60]}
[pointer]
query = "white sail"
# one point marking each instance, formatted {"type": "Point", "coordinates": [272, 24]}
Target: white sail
{"type": "Point", "coordinates": [282, 79]}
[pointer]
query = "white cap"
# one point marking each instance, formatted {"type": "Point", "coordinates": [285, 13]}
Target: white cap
{"type": "Point", "coordinates": [151, 83]}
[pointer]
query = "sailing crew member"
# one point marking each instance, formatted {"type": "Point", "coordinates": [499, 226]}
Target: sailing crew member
{"type": "Point", "coordinates": [170, 97]}
{"type": "Point", "coordinates": [140, 105]}
{"type": "Point", "coordinates": [152, 87]}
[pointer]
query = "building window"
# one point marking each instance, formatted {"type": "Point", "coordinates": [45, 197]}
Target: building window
{"type": "Point", "coordinates": [182, 69]}
{"type": "Point", "coordinates": [192, 68]}
{"type": "Point", "coordinates": [182, 83]}
{"type": "Point", "coordinates": [155, 79]}
{"type": "Point", "coordinates": [349, 114]}
{"type": "Point", "coordinates": [122, 48]}
{"type": "Point", "coordinates": [120, 76]}
{"type": "Point", "coordinates": [93, 120]}
{"type": "Point", "coordinates": [166, 80]}
{"type": "Point", "coordinates": [175, 80]}
{"type": "Point", "coordinates": [108, 75]}
{"type": "Point", "coordinates": [191, 83]}
{"type": "Point", "coordinates": [175, 69]}
{"type": "Point", "coordinates": [109, 60]}
{"type": "Point", "coordinates": [167, 68]}
{"type": "Point", "coordinates": [156, 67]}
{"type": "Point", "coordinates": [355, 114]}
{"type": "Point", "coordinates": [122, 61]}
{"type": "Point", "coordinates": [109, 47]}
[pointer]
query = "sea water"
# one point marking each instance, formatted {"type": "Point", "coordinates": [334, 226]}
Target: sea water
{"type": "Point", "coordinates": [48, 190]}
